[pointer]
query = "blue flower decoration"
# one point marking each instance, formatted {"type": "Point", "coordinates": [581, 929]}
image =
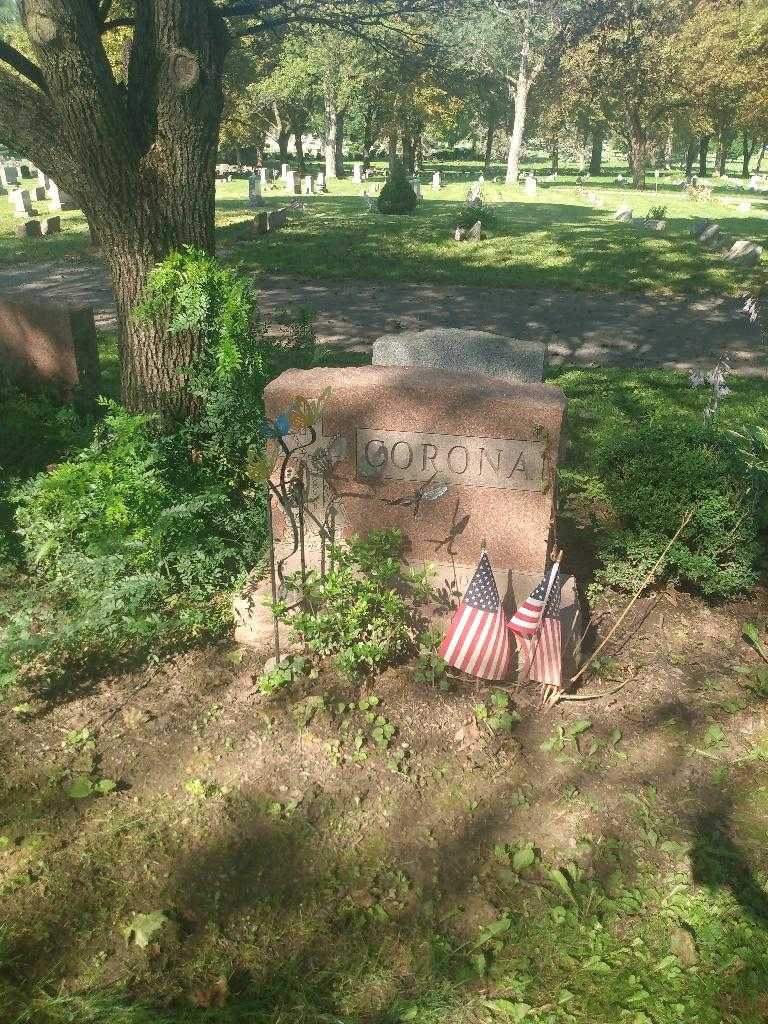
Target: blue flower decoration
{"type": "Point", "coordinates": [278, 427]}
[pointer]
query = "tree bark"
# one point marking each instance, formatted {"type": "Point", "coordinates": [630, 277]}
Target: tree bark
{"type": "Point", "coordinates": [489, 135]}
{"type": "Point", "coordinates": [300, 164]}
{"type": "Point", "coordinates": [747, 149]}
{"type": "Point", "coordinates": [526, 76]}
{"type": "Point", "coordinates": [555, 154]}
{"type": "Point", "coordinates": [596, 157]}
{"type": "Point", "coordinates": [139, 157]}
{"type": "Point", "coordinates": [369, 126]}
{"type": "Point", "coordinates": [690, 157]}
{"type": "Point", "coordinates": [703, 151]}
{"type": "Point", "coordinates": [331, 125]}
{"type": "Point", "coordinates": [638, 149]}
{"type": "Point", "coordinates": [392, 148]}
{"type": "Point", "coordinates": [759, 163]}
{"type": "Point", "coordinates": [520, 100]}
{"type": "Point", "coordinates": [419, 153]}
{"type": "Point", "coordinates": [339, 145]}
{"type": "Point", "coordinates": [726, 138]}
{"type": "Point", "coordinates": [408, 151]}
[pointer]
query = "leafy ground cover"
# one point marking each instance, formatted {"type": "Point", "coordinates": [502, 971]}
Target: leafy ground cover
{"type": "Point", "coordinates": [178, 846]}
{"type": "Point", "coordinates": [276, 859]}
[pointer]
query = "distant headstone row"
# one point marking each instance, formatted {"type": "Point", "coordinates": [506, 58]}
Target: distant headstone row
{"type": "Point", "coordinates": [741, 252]}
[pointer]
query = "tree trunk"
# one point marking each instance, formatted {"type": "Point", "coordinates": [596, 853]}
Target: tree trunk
{"type": "Point", "coordinates": [638, 149]}
{"type": "Point", "coordinates": [368, 136]}
{"type": "Point", "coordinates": [520, 100]}
{"type": "Point", "coordinates": [139, 157]}
{"type": "Point", "coordinates": [525, 79]}
{"type": "Point", "coordinates": [555, 154]}
{"type": "Point", "coordinates": [690, 156]}
{"type": "Point", "coordinates": [283, 138]}
{"type": "Point", "coordinates": [419, 154]}
{"type": "Point", "coordinates": [596, 158]}
{"type": "Point", "coordinates": [339, 147]}
{"type": "Point", "coordinates": [407, 143]}
{"type": "Point", "coordinates": [669, 149]}
{"type": "Point", "coordinates": [747, 150]}
{"type": "Point", "coordinates": [331, 126]}
{"type": "Point", "coordinates": [300, 164]}
{"type": "Point", "coordinates": [703, 151]}
{"type": "Point", "coordinates": [759, 163]}
{"type": "Point", "coordinates": [489, 134]}
{"type": "Point", "coordinates": [392, 147]}
{"type": "Point", "coordinates": [726, 139]}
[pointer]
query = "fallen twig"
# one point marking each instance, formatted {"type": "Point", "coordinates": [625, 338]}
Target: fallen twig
{"type": "Point", "coordinates": [648, 579]}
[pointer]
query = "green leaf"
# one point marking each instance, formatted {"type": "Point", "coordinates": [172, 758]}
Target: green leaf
{"type": "Point", "coordinates": [105, 786]}
{"type": "Point", "coordinates": [144, 926]}
{"type": "Point", "coordinates": [524, 858]}
{"type": "Point", "coordinates": [492, 930]}
{"type": "Point", "coordinates": [80, 788]}
{"type": "Point", "coordinates": [750, 631]}
{"type": "Point", "coordinates": [512, 1011]}
{"type": "Point", "coordinates": [561, 882]}
{"type": "Point", "coordinates": [579, 727]}
{"type": "Point", "coordinates": [22, 709]}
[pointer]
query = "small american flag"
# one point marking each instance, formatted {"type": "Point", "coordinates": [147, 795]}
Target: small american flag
{"type": "Point", "coordinates": [527, 618]}
{"type": "Point", "coordinates": [477, 641]}
{"type": "Point", "coordinates": [542, 651]}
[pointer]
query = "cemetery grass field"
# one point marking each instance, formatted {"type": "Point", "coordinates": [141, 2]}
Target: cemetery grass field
{"type": "Point", "coordinates": [603, 863]}
{"type": "Point", "coordinates": [556, 240]}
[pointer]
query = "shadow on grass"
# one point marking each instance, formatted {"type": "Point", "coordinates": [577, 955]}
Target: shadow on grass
{"type": "Point", "coordinates": [536, 244]}
{"type": "Point", "coordinates": [720, 863]}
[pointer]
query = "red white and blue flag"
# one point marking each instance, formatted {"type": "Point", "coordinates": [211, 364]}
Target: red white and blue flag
{"type": "Point", "coordinates": [477, 641]}
{"type": "Point", "coordinates": [536, 625]}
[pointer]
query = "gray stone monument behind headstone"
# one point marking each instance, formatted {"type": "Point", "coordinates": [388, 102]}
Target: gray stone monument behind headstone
{"type": "Point", "coordinates": [464, 351]}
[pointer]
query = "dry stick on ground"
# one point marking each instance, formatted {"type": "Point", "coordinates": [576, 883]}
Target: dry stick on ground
{"type": "Point", "coordinates": [646, 582]}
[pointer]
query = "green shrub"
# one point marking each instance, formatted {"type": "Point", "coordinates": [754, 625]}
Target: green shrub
{"type": "Point", "coordinates": [34, 432]}
{"type": "Point", "coordinates": [656, 472]}
{"type": "Point", "coordinates": [364, 613]}
{"type": "Point", "coordinates": [475, 209]}
{"type": "Point", "coordinates": [131, 543]}
{"type": "Point", "coordinates": [397, 195]}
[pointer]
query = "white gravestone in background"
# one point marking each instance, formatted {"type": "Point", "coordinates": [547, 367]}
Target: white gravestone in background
{"type": "Point", "coordinates": [436, 182]}
{"type": "Point", "coordinates": [254, 191]}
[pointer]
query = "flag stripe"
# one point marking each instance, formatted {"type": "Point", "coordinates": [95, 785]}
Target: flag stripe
{"type": "Point", "coordinates": [477, 641]}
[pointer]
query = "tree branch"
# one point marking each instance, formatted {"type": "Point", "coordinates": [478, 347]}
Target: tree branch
{"type": "Point", "coordinates": [28, 124]}
{"type": "Point", "coordinates": [117, 23]}
{"type": "Point", "coordinates": [22, 64]}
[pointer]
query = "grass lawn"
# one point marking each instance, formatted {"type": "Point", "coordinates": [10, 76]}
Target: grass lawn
{"type": "Point", "coordinates": [556, 240]}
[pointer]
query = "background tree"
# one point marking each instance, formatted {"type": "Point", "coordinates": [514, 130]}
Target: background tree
{"type": "Point", "coordinates": [135, 142]}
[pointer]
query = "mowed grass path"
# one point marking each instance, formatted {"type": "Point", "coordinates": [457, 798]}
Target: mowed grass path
{"type": "Point", "coordinates": [556, 240]}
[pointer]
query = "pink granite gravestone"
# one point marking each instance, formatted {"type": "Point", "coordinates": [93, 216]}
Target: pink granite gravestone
{"type": "Point", "coordinates": [47, 345]}
{"type": "Point", "coordinates": [490, 446]}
